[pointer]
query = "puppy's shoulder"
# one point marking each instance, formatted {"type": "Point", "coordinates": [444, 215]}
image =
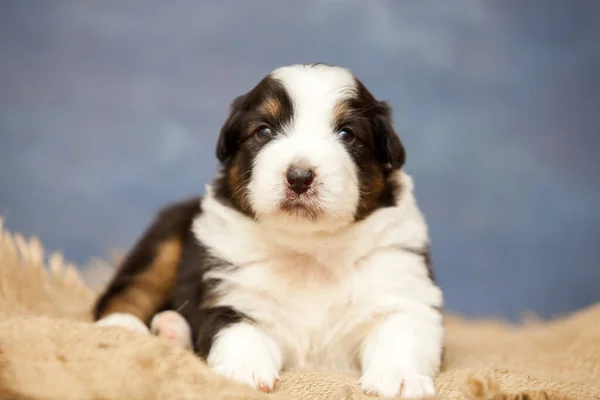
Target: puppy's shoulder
{"type": "Point", "coordinates": [399, 224]}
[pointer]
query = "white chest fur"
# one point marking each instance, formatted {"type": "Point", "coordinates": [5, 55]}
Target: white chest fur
{"type": "Point", "coordinates": [318, 295]}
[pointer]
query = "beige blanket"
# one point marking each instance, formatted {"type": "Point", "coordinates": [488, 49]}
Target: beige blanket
{"type": "Point", "coordinates": [50, 350]}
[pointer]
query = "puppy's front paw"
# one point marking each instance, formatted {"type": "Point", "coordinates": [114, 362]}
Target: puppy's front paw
{"type": "Point", "coordinates": [243, 353]}
{"type": "Point", "coordinates": [123, 320]}
{"type": "Point", "coordinates": [406, 386]}
{"type": "Point", "coordinates": [172, 326]}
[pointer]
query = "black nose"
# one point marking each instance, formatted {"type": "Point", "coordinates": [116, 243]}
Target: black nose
{"type": "Point", "coordinates": [299, 178]}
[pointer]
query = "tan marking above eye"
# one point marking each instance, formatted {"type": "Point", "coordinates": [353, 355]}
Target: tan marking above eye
{"type": "Point", "coordinates": [272, 107]}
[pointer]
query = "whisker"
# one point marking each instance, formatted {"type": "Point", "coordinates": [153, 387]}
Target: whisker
{"type": "Point", "coordinates": [185, 303]}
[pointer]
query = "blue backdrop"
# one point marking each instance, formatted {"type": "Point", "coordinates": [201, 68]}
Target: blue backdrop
{"type": "Point", "coordinates": [110, 109]}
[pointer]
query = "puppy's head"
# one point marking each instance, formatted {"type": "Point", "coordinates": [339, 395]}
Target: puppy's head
{"type": "Point", "coordinates": [309, 146]}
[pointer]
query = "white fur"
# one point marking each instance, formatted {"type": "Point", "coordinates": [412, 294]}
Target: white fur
{"type": "Point", "coordinates": [124, 320]}
{"type": "Point", "coordinates": [350, 299]}
{"type": "Point", "coordinates": [400, 350]}
{"type": "Point", "coordinates": [244, 353]}
{"type": "Point", "coordinates": [309, 138]}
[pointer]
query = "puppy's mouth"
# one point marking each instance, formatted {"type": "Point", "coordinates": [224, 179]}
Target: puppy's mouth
{"type": "Point", "coordinates": [304, 205]}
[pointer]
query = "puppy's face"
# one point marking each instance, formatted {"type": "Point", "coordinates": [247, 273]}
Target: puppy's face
{"type": "Point", "coordinates": [309, 146]}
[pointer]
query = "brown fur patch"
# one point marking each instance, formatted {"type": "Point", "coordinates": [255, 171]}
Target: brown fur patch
{"type": "Point", "coordinates": [150, 288]}
{"type": "Point", "coordinates": [233, 175]}
{"type": "Point", "coordinates": [370, 189]}
{"type": "Point", "coordinates": [271, 107]}
{"type": "Point", "coordinates": [237, 183]}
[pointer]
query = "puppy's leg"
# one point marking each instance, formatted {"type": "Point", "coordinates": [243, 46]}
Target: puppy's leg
{"type": "Point", "coordinates": [242, 352]}
{"type": "Point", "coordinates": [402, 355]}
{"type": "Point", "coordinates": [143, 284]}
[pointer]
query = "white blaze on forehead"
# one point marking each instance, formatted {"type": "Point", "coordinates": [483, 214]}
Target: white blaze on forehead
{"type": "Point", "coordinates": [315, 90]}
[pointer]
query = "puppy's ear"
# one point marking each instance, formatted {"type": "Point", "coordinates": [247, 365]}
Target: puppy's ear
{"type": "Point", "coordinates": [387, 143]}
{"type": "Point", "coordinates": [228, 142]}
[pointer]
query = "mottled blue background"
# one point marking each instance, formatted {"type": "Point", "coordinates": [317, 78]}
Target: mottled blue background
{"type": "Point", "coordinates": [110, 109]}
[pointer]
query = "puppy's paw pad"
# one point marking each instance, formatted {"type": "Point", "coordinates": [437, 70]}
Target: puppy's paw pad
{"type": "Point", "coordinates": [172, 326]}
{"type": "Point", "coordinates": [126, 321]}
{"type": "Point", "coordinates": [406, 387]}
{"type": "Point", "coordinates": [259, 378]}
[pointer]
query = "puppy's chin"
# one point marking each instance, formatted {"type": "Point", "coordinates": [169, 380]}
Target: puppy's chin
{"type": "Point", "coordinates": [303, 206]}
{"type": "Point", "coordinates": [304, 214]}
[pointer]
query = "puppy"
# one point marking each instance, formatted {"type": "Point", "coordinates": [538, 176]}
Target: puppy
{"type": "Point", "coordinates": [308, 250]}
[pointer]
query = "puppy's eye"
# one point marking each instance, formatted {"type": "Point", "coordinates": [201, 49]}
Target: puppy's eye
{"type": "Point", "coordinates": [264, 132]}
{"type": "Point", "coordinates": [346, 135]}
